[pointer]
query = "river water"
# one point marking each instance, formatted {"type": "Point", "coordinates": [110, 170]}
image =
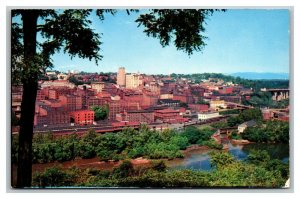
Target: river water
{"type": "Point", "coordinates": [200, 159]}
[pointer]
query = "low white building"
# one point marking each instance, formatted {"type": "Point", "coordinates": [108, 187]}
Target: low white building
{"type": "Point", "coordinates": [208, 115]}
{"type": "Point", "coordinates": [242, 127]}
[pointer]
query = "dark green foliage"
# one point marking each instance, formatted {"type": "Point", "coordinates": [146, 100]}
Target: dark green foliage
{"type": "Point", "coordinates": [53, 177]}
{"type": "Point", "coordinates": [75, 81]}
{"type": "Point", "coordinates": [264, 99]}
{"type": "Point", "coordinates": [221, 159]}
{"type": "Point", "coordinates": [159, 165]}
{"type": "Point", "coordinates": [218, 125]}
{"type": "Point", "coordinates": [180, 141]}
{"type": "Point", "coordinates": [186, 26]}
{"type": "Point", "coordinates": [124, 170]}
{"type": "Point", "coordinates": [258, 157]}
{"type": "Point", "coordinates": [228, 112]}
{"type": "Point", "coordinates": [195, 135]}
{"type": "Point", "coordinates": [244, 116]}
{"type": "Point", "coordinates": [234, 121]}
{"type": "Point", "coordinates": [251, 114]}
{"type": "Point", "coordinates": [234, 135]}
{"type": "Point", "coordinates": [101, 112]}
{"type": "Point", "coordinates": [272, 131]}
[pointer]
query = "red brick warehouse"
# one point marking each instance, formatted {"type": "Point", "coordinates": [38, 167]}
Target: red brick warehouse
{"type": "Point", "coordinates": [82, 117]}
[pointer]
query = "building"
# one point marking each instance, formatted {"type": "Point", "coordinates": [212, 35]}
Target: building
{"type": "Point", "coordinates": [121, 77]}
{"type": "Point", "coordinates": [54, 93]}
{"type": "Point", "coordinates": [208, 115]}
{"type": "Point", "coordinates": [133, 81]}
{"type": "Point", "coordinates": [242, 127]}
{"type": "Point", "coordinates": [169, 116]}
{"type": "Point", "coordinates": [98, 86]}
{"type": "Point", "coordinates": [166, 96]}
{"type": "Point", "coordinates": [47, 115]}
{"type": "Point", "coordinates": [115, 107]}
{"type": "Point", "coordinates": [199, 107]}
{"type": "Point", "coordinates": [57, 83]}
{"type": "Point", "coordinates": [166, 114]}
{"type": "Point", "coordinates": [185, 98]}
{"type": "Point", "coordinates": [71, 102]}
{"type": "Point", "coordinates": [82, 117]}
{"type": "Point", "coordinates": [149, 100]}
{"type": "Point", "coordinates": [168, 102]}
{"type": "Point", "coordinates": [40, 95]}
{"type": "Point", "coordinates": [216, 104]}
{"type": "Point", "coordinates": [96, 101]}
{"type": "Point", "coordinates": [235, 99]}
{"type": "Point", "coordinates": [142, 116]}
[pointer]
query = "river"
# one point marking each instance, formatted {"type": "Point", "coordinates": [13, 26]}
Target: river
{"type": "Point", "coordinates": [200, 160]}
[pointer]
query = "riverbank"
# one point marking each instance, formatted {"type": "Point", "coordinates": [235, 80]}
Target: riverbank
{"type": "Point", "coordinates": [233, 141]}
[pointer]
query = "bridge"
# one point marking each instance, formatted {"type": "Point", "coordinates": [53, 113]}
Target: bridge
{"type": "Point", "coordinates": [278, 94]}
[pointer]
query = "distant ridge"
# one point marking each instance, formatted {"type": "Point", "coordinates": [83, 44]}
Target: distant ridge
{"type": "Point", "coordinates": [254, 75]}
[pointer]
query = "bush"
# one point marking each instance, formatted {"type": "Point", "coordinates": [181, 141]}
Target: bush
{"type": "Point", "coordinates": [159, 165]}
{"type": "Point", "coordinates": [53, 177]}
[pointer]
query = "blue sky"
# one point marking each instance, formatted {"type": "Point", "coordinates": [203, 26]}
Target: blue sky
{"type": "Point", "coordinates": [239, 41]}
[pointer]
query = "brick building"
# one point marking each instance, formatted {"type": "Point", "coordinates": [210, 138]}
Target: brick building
{"type": "Point", "coordinates": [46, 115]}
{"type": "Point", "coordinates": [144, 116]}
{"type": "Point", "coordinates": [40, 95]}
{"type": "Point", "coordinates": [71, 102]}
{"type": "Point", "coordinates": [96, 101]}
{"type": "Point", "coordinates": [54, 93]}
{"type": "Point", "coordinates": [185, 98]}
{"type": "Point", "coordinates": [82, 117]}
{"type": "Point", "coordinates": [199, 107]}
{"type": "Point", "coordinates": [149, 100]}
{"type": "Point", "coordinates": [166, 114]}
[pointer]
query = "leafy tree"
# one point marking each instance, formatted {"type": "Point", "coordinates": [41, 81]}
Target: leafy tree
{"type": "Point", "coordinates": [192, 134]}
{"type": "Point", "coordinates": [221, 159]}
{"type": "Point", "coordinates": [251, 114]}
{"type": "Point", "coordinates": [272, 131]}
{"type": "Point", "coordinates": [180, 141]}
{"type": "Point", "coordinates": [70, 31]}
{"type": "Point", "coordinates": [124, 170]}
{"type": "Point", "coordinates": [234, 121]}
{"type": "Point", "coordinates": [100, 112]}
{"type": "Point", "coordinates": [258, 157]}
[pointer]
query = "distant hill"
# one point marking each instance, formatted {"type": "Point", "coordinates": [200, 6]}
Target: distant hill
{"type": "Point", "coordinates": [254, 75]}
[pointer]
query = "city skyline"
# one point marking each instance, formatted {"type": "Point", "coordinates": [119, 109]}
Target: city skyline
{"type": "Point", "coordinates": [263, 43]}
